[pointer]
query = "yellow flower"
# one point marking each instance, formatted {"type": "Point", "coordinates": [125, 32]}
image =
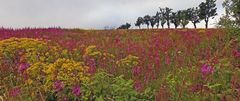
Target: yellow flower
{"type": "Point", "coordinates": [68, 71]}
{"type": "Point", "coordinates": [130, 60]}
{"type": "Point", "coordinates": [29, 81]}
{"type": "Point", "coordinates": [29, 49]}
{"type": "Point", "coordinates": [92, 51]}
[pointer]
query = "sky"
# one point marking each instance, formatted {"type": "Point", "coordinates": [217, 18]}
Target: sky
{"type": "Point", "coordinates": [87, 14]}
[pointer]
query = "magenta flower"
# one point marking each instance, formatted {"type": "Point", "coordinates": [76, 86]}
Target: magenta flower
{"type": "Point", "coordinates": [76, 90]}
{"type": "Point", "coordinates": [90, 62]}
{"type": "Point", "coordinates": [137, 85]}
{"type": "Point", "coordinates": [236, 53]}
{"type": "Point", "coordinates": [58, 85]}
{"type": "Point", "coordinates": [206, 69]}
{"type": "Point", "coordinates": [22, 67]}
{"type": "Point", "coordinates": [117, 40]}
{"type": "Point", "coordinates": [136, 70]}
{"type": "Point", "coordinates": [167, 60]}
{"type": "Point", "coordinates": [15, 91]}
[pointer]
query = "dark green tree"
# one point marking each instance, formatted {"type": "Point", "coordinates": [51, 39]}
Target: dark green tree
{"type": "Point", "coordinates": [157, 19]}
{"type": "Point", "coordinates": [125, 26]}
{"type": "Point", "coordinates": [162, 16]}
{"type": "Point", "coordinates": [184, 18]}
{"type": "Point", "coordinates": [147, 20]}
{"type": "Point", "coordinates": [207, 10]}
{"type": "Point", "coordinates": [193, 16]}
{"type": "Point", "coordinates": [232, 8]}
{"type": "Point", "coordinates": [167, 15]}
{"type": "Point", "coordinates": [152, 21]}
{"type": "Point", "coordinates": [139, 22]}
{"type": "Point", "coordinates": [175, 18]}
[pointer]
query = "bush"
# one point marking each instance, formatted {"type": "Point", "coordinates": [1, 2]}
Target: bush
{"type": "Point", "coordinates": [107, 87]}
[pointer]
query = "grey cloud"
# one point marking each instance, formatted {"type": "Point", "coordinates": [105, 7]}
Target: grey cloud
{"type": "Point", "coordinates": [84, 13]}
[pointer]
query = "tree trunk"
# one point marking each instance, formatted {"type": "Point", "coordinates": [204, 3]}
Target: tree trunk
{"type": "Point", "coordinates": [147, 26]}
{"type": "Point", "coordinates": [168, 24]}
{"type": "Point", "coordinates": [139, 27]}
{"type": "Point", "coordinates": [183, 26]}
{"type": "Point", "coordinates": [206, 25]}
{"type": "Point", "coordinates": [195, 26]}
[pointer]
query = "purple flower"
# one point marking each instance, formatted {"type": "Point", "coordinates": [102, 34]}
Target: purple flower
{"type": "Point", "coordinates": [23, 66]}
{"type": "Point", "coordinates": [137, 85]}
{"type": "Point", "coordinates": [206, 69]}
{"type": "Point", "coordinates": [91, 62]}
{"type": "Point", "coordinates": [167, 59]}
{"type": "Point", "coordinates": [236, 53]}
{"type": "Point", "coordinates": [15, 91]}
{"type": "Point", "coordinates": [136, 70]}
{"type": "Point", "coordinates": [58, 85]}
{"type": "Point", "coordinates": [76, 90]}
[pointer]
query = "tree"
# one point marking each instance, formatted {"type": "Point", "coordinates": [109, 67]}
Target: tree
{"type": "Point", "coordinates": [232, 8]}
{"type": "Point", "coordinates": [226, 22]}
{"type": "Point", "coordinates": [125, 26]}
{"type": "Point", "coordinates": [139, 22]}
{"type": "Point", "coordinates": [157, 19]}
{"type": "Point", "coordinates": [175, 18]}
{"type": "Point", "coordinates": [147, 20]}
{"type": "Point", "coordinates": [207, 10]}
{"type": "Point", "coordinates": [167, 15]}
{"type": "Point", "coordinates": [162, 16]}
{"type": "Point", "coordinates": [152, 21]}
{"type": "Point", "coordinates": [184, 18]}
{"type": "Point", "coordinates": [193, 16]}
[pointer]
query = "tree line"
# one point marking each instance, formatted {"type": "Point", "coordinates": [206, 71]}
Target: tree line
{"type": "Point", "coordinates": [205, 11]}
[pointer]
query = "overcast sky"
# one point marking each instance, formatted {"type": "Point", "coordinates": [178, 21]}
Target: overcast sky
{"type": "Point", "coordinates": [86, 13]}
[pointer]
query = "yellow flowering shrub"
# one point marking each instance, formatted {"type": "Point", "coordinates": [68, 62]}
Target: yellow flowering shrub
{"type": "Point", "coordinates": [130, 60]}
{"type": "Point", "coordinates": [36, 74]}
{"type": "Point", "coordinates": [92, 51]}
{"type": "Point", "coordinates": [108, 55]}
{"type": "Point", "coordinates": [27, 49]}
{"type": "Point", "coordinates": [68, 71]}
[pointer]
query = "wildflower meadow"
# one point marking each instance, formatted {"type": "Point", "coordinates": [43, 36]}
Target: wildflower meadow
{"type": "Point", "coordinates": [55, 64]}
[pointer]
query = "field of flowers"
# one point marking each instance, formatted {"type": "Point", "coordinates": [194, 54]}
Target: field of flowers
{"type": "Point", "coordinates": [55, 64]}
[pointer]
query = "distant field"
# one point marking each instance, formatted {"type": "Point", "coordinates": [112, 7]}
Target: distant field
{"type": "Point", "coordinates": [160, 64]}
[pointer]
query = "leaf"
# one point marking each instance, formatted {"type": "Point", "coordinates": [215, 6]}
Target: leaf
{"type": "Point", "coordinates": [100, 98]}
{"type": "Point", "coordinates": [214, 85]}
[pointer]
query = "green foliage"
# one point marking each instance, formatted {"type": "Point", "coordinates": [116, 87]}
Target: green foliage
{"type": "Point", "coordinates": [207, 10]}
{"type": "Point", "coordinates": [157, 18]}
{"type": "Point", "coordinates": [152, 21]}
{"type": "Point", "coordinates": [193, 16]}
{"type": "Point", "coordinates": [162, 15]}
{"type": "Point", "coordinates": [184, 18]}
{"type": "Point", "coordinates": [231, 21]}
{"type": "Point", "coordinates": [231, 28]}
{"type": "Point", "coordinates": [168, 15]}
{"type": "Point", "coordinates": [139, 22]}
{"type": "Point", "coordinates": [232, 8]}
{"type": "Point", "coordinates": [107, 87]}
{"type": "Point", "coordinates": [226, 22]}
{"type": "Point", "coordinates": [175, 18]}
{"type": "Point", "coordinates": [175, 82]}
{"type": "Point", "coordinates": [125, 26]}
{"type": "Point", "coordinates": [147, 19]}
